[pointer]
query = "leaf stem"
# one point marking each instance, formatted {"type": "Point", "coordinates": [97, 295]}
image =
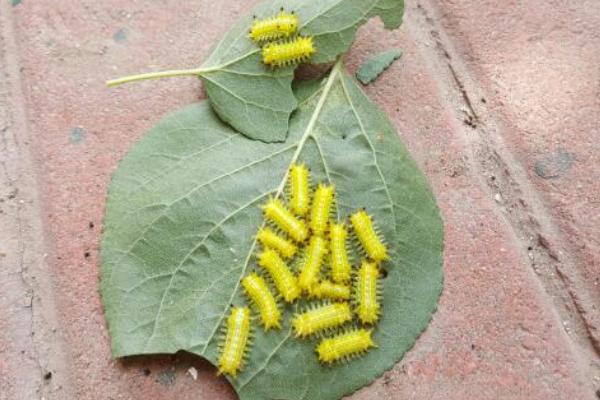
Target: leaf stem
{"type": "Point", "coordinates": [153, 75]}
{"type": "Point", "coordinates": [175, 72]}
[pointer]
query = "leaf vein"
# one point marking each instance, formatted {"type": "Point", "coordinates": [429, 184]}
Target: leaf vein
{"type": "Point", "coordinates": [197, 187]}
{"type": "Point", "coordinates": [364, 132]}
{"type": "Point", "coordinates": [267, 359]}
{"type": "Point", "coordinates": [185, 258]}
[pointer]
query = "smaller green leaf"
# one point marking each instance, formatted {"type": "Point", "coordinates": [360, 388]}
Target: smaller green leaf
{"type": "Point", "coordinates": [374, 66]}
{"type": "Point", "coordinates": [257, 100]}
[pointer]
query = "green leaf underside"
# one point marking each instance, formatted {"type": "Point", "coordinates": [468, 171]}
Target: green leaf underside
{"type": "Point", "coordinates": [258, 100]}
{"type": "Point", "coordinates": [374, 66]}
{"type": "Point", "coordinates": [183, 209]}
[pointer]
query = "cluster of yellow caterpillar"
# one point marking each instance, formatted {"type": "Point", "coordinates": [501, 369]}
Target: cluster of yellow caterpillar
{"type": "Point", "coordinates": [302, 232]}
{"type": "Point", "coordinates": [281, 45]}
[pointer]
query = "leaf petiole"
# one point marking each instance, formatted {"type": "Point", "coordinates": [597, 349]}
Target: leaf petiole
{"type": "Point", "coordinates": [174, 72]}
{"type": "Point", "coordinates": [154, 75]}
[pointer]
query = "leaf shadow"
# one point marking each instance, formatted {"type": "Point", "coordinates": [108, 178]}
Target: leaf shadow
{"type": "Point", "coordinates": [306, 72]}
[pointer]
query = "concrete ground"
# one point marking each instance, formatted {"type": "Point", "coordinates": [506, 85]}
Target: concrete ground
{"type": "Point", "coordinates": [498, 101]}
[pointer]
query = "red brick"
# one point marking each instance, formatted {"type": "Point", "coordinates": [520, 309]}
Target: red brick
{"type": "Point", "coordinates": [538, 66]}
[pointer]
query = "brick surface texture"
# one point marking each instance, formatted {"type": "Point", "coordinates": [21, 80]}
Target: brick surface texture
{"type": "Point", "coordinates": [498, 101]}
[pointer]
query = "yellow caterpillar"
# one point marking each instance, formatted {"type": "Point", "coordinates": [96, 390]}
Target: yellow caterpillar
{"type": "Point", "coordinates": [346, 345]}
{"type": "Point", "coordinates": [329, 290]}
{"type": "Point", "coordinates": [340, 266]}
{"type": "Point", "coordinates": [311, 265]}
{"type": "Point", "coordinates": [276, 212]}
{"type": "Point", "coordinates": [283, 278]}
{"type": "Point", "coordinates": [237, 337]}
{"type": "Point", "coordinates": [320, 318]}
{"type": "Point", "coordinates": [368, 237]}
{"type": "Point", "coordinates": [299, 189]}
{"type": "Point", "coordinates": [258, 291]}
{"type": "Point", "coordinates": [270, 239]}
{"type": "Point", "coordinates": [321, 208]}
{"type": "Point", "coordinates": [367, 293]}
{"type": "Point", "coordinates": [291, 51]}
{"type": "Point", "coordinates": [282, 25]}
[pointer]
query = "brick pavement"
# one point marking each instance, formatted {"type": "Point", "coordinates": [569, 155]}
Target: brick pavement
{"type": "Point", "coordinates": [497, 101]}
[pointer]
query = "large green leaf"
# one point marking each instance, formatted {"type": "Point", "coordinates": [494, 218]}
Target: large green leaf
{"type": "Point", "coordinates": [183, 209]}
{"type": "Point", "coordinates": [257, 100]}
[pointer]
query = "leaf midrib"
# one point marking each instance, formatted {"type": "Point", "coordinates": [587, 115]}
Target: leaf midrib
{"type": "Point", "coordinates": [335, 71]}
